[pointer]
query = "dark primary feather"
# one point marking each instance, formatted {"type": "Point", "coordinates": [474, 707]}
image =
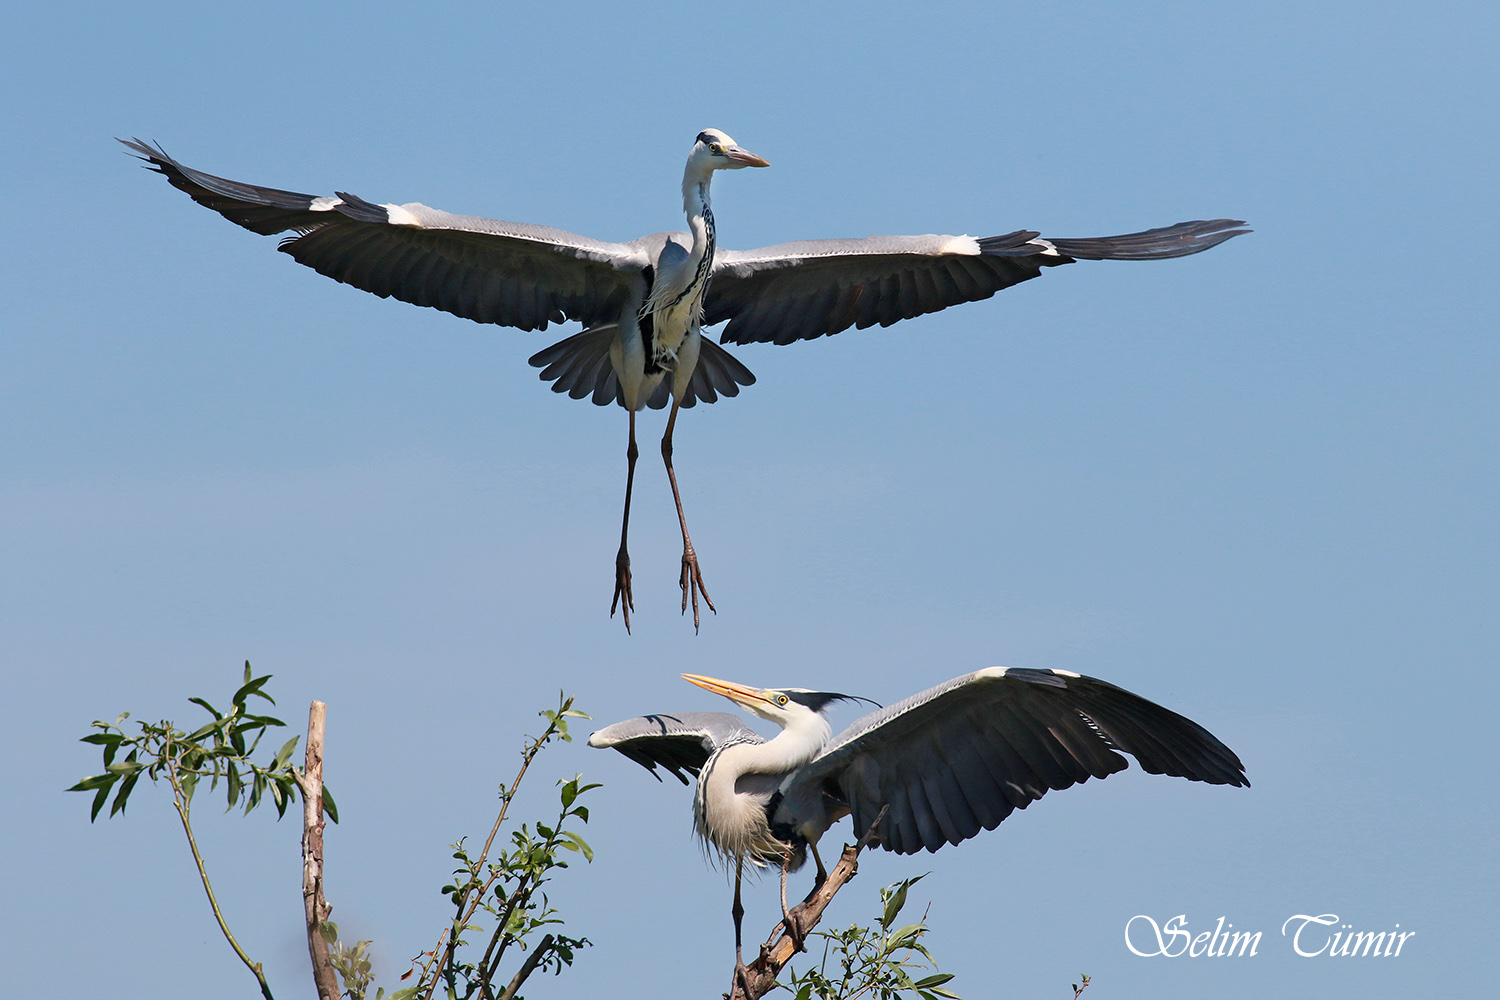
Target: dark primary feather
{"type": "Point", "coordinates": [680, 742]}
{"type": "Point", "coordinates": [961, 756]}
{"type": "Point", "coordinates": [813, 288]}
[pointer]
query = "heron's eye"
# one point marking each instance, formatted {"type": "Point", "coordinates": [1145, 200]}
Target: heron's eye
{"type": "Point", "coordinates": [716, 149]}
{"type": "Point", "coordinates": [781, 699]}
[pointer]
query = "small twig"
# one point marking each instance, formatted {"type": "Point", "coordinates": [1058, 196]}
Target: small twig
{"type": "Point", "coordinates": [315, 907]}
{"type": "Point", "coordinates": [759, 977]}
{"type": "Point", "coordinates": [517, 895]}
{"type": "Point", "coordinates": [180, 800]}
{"type": "Point", "coordinates": [528, 967]}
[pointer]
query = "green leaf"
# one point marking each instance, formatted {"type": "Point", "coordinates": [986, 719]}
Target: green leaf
{"type": "Point", "coordinates": [212, 711]}
{"type": "Point", "coordinates": [252, 686]}
{"type": "Point", "coordinates": [905, 937]}
{"type": "Point", "coordinates": [189, 782]}
{"type": "Point", "coordinates": [329, 806]}
{"type": "Point", "coordinates": [99, 800]}
{"type": "Point", "coordinates": [257, 789]}
{"type": "Point", "coordinates": [263, 721]}
{"type": "Point", "coordinates": [579, 844]}
{"type": "Point", "coordinates": [284, 754]}
{"type": "Point", "coordinates": [124, 793]}
{"type": "Point", "coordinates": [95, 781]}
{"type": "Point", "coordinates": [894, 903]}
{"type": "Point", "coordinates": [933, 980]}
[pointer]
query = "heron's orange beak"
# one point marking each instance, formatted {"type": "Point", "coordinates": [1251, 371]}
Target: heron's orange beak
{"type": "Point", "coordinates": [740, 694]}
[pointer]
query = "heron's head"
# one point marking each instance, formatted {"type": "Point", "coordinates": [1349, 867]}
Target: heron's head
{"type": "Point", "coordinates": [714, 150]}
{"type": "Point", "coordinates": [782, 706]}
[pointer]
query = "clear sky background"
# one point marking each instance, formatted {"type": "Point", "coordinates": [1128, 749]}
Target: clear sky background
{"type": "Point", "coordinates": [1257, 485]}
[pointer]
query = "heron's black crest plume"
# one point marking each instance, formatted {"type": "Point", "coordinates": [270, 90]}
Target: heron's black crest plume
{"type": "Point", "coordinates": [817, 700]}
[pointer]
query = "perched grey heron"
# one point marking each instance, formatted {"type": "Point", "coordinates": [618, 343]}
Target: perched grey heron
{"type": "Point", "coordinates": [930, 770]}
{"type": "Point", "coordinates": [643, 303]}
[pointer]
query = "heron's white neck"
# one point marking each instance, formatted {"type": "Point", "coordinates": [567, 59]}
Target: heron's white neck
{"type": "Point", "coordinates": [795, 745]}
{"type": "Point", "coordinates": [695, 205]}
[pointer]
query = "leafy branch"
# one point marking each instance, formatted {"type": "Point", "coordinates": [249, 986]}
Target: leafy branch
{"type": "Point", "coordinates": [879, 960]}
{"type": "Point", "coordinates": [508, 888]}
{"type": "Point", "coordinates": [219, 750]}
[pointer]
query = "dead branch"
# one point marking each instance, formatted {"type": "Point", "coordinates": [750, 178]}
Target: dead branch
{"type": "Point", "coordinates": [314, 905]}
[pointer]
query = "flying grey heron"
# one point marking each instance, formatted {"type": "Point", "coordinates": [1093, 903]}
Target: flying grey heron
{"type": "Point", "coordinates": [932, 769]}
{"type": "Point", "coordinates": [643, 303]}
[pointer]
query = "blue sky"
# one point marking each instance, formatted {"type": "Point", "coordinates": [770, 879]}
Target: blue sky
{"type": "Point", "coordinates": [1257, 486]}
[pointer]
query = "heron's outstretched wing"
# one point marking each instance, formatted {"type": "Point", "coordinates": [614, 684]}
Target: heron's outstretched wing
{"type": "Point", "coordinates": [960, 757]}
{"type": "Point", "coordinates": [489, 271]}
{"type": "Point", "coordinates": [799, 291]}
{"type": "Point", "coordinates": [681, 742]}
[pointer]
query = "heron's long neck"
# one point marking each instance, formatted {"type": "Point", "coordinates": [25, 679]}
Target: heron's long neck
{"type": "Point", "coordinates": [797, 744]}
{"type": "Point", "coordinates": [700, 218]}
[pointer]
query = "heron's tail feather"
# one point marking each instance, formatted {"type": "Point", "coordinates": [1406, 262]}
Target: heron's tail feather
{"type": "Point", "coordinates": [719, 373]}
{"type": "Point", "coordinates": [580, 366]}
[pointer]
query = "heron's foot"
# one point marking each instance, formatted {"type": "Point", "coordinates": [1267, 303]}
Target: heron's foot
{"type": "Point", "coordinates": [741, 979]}
{"type": "Point", "coordinates": [790, 920]}
{"type": "Point", "coordinates": [623, 598]}
{"type": "Point", "coordinates": [691, 583]}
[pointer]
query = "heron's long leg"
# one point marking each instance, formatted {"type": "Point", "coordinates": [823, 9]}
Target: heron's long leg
{"type": "Point", "coordinates": [622, 560]}
{"type": "Point", "coordinates": [692, 578]}
{"type": "Point", "coordinates": [738, 913]}
{"type": "Point", "coordinates": [787, 920]}
{"type": "Point", "coordinates": [822, 872]}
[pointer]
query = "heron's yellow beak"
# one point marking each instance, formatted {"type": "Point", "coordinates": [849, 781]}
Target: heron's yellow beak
{"type": "Point", "coordinates": [744, 158]}
{"type": "Point", "coordinates": [739, 693]}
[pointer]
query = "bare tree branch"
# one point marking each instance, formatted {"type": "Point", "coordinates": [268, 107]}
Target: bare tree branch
{"type": "Point", "coordinates": [528, 967]}
{"type": "Point", "coordinates": [314, 905]}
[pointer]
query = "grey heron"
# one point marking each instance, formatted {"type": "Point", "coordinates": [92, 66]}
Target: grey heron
{"type": "Point", "coordinates": [932, 769]}
{"type": "Point", "coordinates": [643, 304]}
